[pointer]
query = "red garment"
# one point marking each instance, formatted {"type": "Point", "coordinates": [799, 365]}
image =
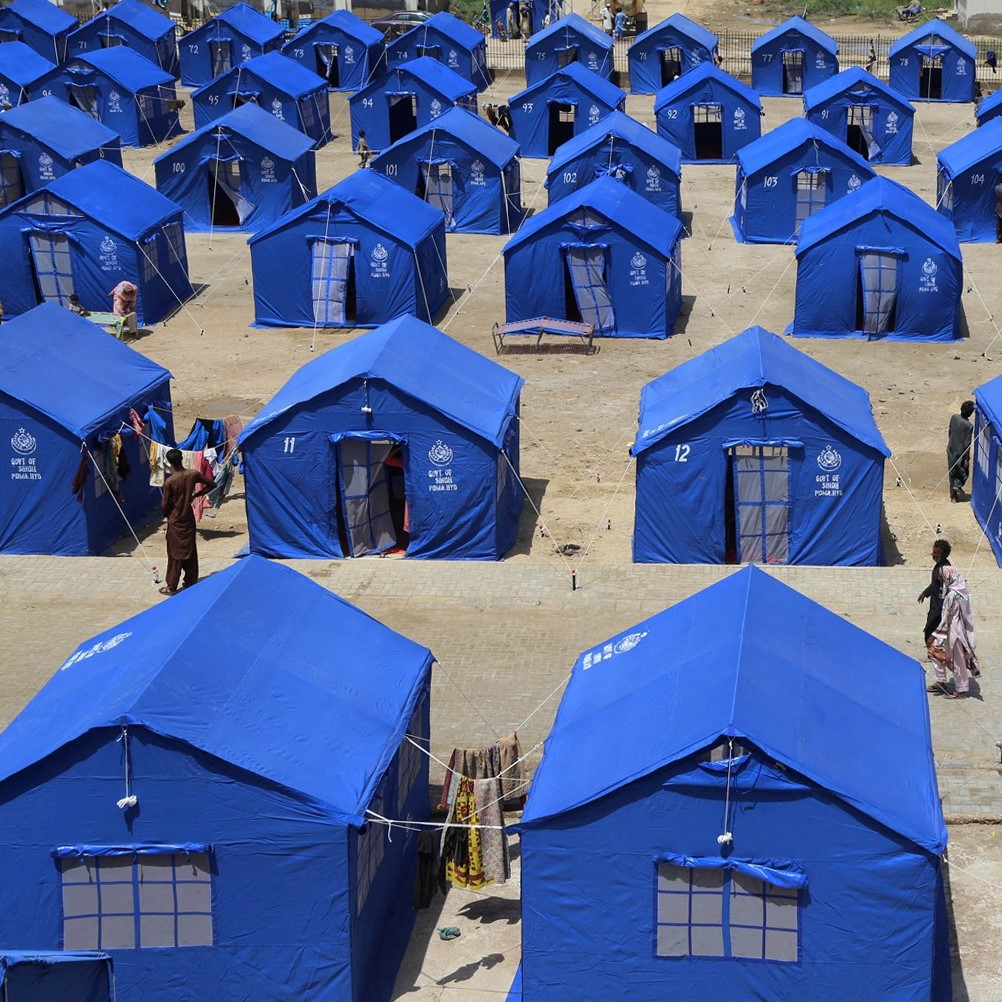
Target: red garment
{"type": "Point", "coordinates": [199, 504]}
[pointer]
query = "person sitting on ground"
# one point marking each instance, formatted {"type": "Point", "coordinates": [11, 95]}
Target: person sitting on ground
{"type": "Point", "coordinates": [75, 306]}
{"type": "Point", "coordinates": [124, 304]}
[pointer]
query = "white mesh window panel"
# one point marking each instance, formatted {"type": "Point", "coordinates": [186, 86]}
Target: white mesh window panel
{"type": "Point", "coordinates": [998, 476]}
{"type": "Point", "coordinates": [306, 112]}
{"type": "Point", "coordinates": [53, 265]}
{"type": "Point", "coordinates": [174, 233]}
{"type": "Point", "coordinates": [761, 479]}
{"type": "Point", "coordinates": [44, 204]}
{"type": "Point", "coordinates": [879, 281]}
{"type": "Point", "coordinates": [984, 445]}
{"type": "Point", "coordinates": [702, 113]}
{"type": "Point", "coordinates": [220, 56]}
{"type": "Point", "coordinates": [588, 220]}
{"type": "Point", "coordinates": [812, 190]}
{"type": "Point", "coordinates": [944, 190]}
{"type": "Point", "coordinates": [371, 848]}
{"type": "Point", "coordinates": [148, 107]}
{"type": "Point", "coordinates": [409, 757]}
{"type": "Point", "coordinates": [143, 901]}
{"type": "Point", "coordinates": [690, 912]}
{"type": "Point", "coordinates": [11, 185]}
{"type": "Point", "coordinates": [151, 262]}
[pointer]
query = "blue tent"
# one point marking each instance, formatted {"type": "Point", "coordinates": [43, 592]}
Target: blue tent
{"type": "Point", "coordinates": [755, 453]}
{"type": "Point", "coordinates": [933, 63]}
{"type": "Point", "coordinates": [700, 805]}
{"type": "Point", "coordinates": [789, 174]}
{"type": "Point", "coordinates": [87, 231]}
{"type": "Point", "coordinates": [357, 255]}
{"type": "Point", "coordinates": [241, 171]}
{"type": "Point", "coordinates": [623, 149]}
{"type": "Point", "coordinates": [235, 36]}
{"type": "Point", "coordinates": [988, 107]}
{"type": "Point", "coordinates": [405, 98]}
{"type": "Point", "coordinates": [548, 113]}
{"type": "Point", "coordinates": [40, 25]}
{"type": "Point", "coordinates": [133, 24]}
{"type": "Point", "coordinates": [249, 863]}
{"type": "Point", "coordinates": [791, 58]}
{"type": "Point", "coordinates": [315, 458]}
{"type": "Point", "coordinates": [292, 93]}
{"type": "Point", "coordinates": [465, 167]}
{"type": "Point", "coordinates": [572, 39]}
{"type": "Point", "coordinates": [968, 172]}
{"type": "Point", "coordinates": [43, 139]}
{"type": "Point", "coordinates": [708, 114]}
{"type": "Point", "coordinates": [65, 382]}
{"type": "Point", "coordinates": [20, 67]}
{"type": "Point", "coordinates": [987, 463]}
{"type": "Point", "coordinates": [56, 976]}
{"type": "Point", "coordinates": [602, 255]}
{"type": "Point", "coordinates": [446, 39]}
{"type": "Point", "coordinates": [341, 48]}
{"type": "Point", "coordinates": [666, 51]}
{"type": "Point", "coordinates": [865, 114]}
{"type": "Point", "coordinates": [880, 263]}
{"type": "Point", "coordinates": [536, 10]}
{"type": "Point", "coordinates": [124, 91]}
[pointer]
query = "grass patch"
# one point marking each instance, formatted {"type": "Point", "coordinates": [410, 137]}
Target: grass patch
{"type": "Point", "coordinates": [872, 10]}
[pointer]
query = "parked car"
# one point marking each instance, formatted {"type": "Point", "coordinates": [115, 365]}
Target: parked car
{"type": "Point", "coordinates": [395, 24]}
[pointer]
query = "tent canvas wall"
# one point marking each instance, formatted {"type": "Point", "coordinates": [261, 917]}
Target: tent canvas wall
{"type": "Point", "coordinates": [242, 171]}
{"type": "Point", "coordinates": [232, 37]}
{"type": "Point", "coordinates": [40, 25]}
{"type": "Point", "coordinates": [56, 976]}
{"type": "Point", "coordinates": [988, 108]}
{"type": "Point", "coordinates": [123, 91]}
{"type": "Point", "coordinates": [132, 24]}
{"type": "Point", "coordinates": [250, 865]}
{"type": "Point", "coordinates": [602, 255]}
{"type": "Point", "coordinates": [791, 58]}
{"type": "Point", "coordinates": [900, 266]}
{"type": "Point", "coordinates": [548, 113]}
{"type": "Point", "coordinates": [755, 453]}
{"type": "Point", "coordinates": [281, 86]}
{"type": "Point", "coordinates": [44, 139]}
{"type": "Point", "coordinates": [572, 39]}
{"type": "Point", "coordinates": [933, 63]}
{"type": "Point", "coordinates": [315, 469]}
{"type": "Point", "coordinates": [666, 51]}
{"type": "Point", "coordinates": [463, 166]}
{"type": "Point", "coordinates": [357, 255]}
{"type": "Point", "coordinates": [621, 148]}
{"type": "Point", "coordinates": [708, 115]}
{"type": "Point", "coordinates": [789, 174]}
{"type": "Point", "coordinates": [20, 67]}
{"type": "Point", "coordinates": [623, 836]}
{"type": "Point", "coordinates": [865, 114]}
{"type": "Point", "coordinates": [986, 469]}
{"type": "Point", "coordinates": [448, 40]}
{"type": "Point", "coordinates": [71, 385]}
{"type": "Point", "coordinates": [407, 97]}
{"type": "Point", "coordinates": [341, 48]}
{"type": "Point", "coordinates": [87, 231]}
{"type": "Point", "coordinates": [969, 171]}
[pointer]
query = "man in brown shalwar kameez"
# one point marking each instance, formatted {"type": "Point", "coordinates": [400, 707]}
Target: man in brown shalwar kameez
{"type": "Point", "coordinates": [180, 489]}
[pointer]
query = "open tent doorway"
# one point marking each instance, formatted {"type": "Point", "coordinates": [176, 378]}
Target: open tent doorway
{"type": "Point", "coordinates": [84, 97]}
{"type": "Point", "coordinates": [431, 51]}
{"type": "Point", "coordinates": [566, 55]}
{"type": "Point", "coordinates": [859, 131]}
{"type": "Point", "coordinates": [931, 78]}
{"type": "Point", "coordinates": [435, 186]}
{"type": "Point", "coordinates": [403, 114]}
{"type": "Point", "coordinates": [586, 292]}
{"type": "Point", "coordinates": [812, 192]}
{"type": "Point", "coordinates": [757, 504]}
{"type": "Point", "coordinates": [240, 98]}
{"type": "Point", "coordinates": [876, 293]}
{"type": "Point", "coordinates": [52, 264]}
{"type": "Point", "coordinates": [326, 54]}
{"type": "Point", "coordinates": [671, 64]}
{"type": "Point", "coordinates": [793, 71]}
{"type": "Point", "coordinates": [221, 56]}
{"type": "Point", "coordinates": [333, 273]}
{"type": "Point", "coordinates": [561, 125]}
{"type": "Point", "coordinates": [372, 509]}
{"type": "Point", "coordinates": [225, 201]}
{"type": "Point", "coordinates": [11, 179]}
{"type": "Point", "coordinates": [708, 131]}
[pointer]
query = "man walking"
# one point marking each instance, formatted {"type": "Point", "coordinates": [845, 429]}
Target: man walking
{"type": "Point", "coordinates": [180, 489]}
{"type": "Point", "coordinates": [958, 449]}
{"type": "Point", "coordinates": [940, 559]}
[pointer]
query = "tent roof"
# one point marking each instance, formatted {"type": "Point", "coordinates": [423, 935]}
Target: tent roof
{"type": "Point", "coordinates": [421, 361]}
{"type": "Point", "coordinates": [282, 72]}
{"type": "Point", "coordinates": [249, 22]}
{"type": "Point", "coordinates": [60, 126]}
{"type": "Point", "coordinates": [683, 26]}
{"type": "Point", "coordinates": [989, 399]}
{"type": "Point", "coordinates": [616, 202]}
{"type": "Point", "coordinates": [127, 68]}
{"type": "Point", "coordinates": [849, 79]}
{"type": "Point", "coordinates": [44, 14]}
{"type": "Point", "coordinates": [479, 135]}
{"type": "Point", "coordinates": [939, 28]}
{"type": "Point", "coordinates": [805, 28]}
{"type": "Point", "coordinates": [144, 20]}
{"type": "Point", "coordinates": [880, 194]}
{"type": "Point", "coordinates": [574, 23]}
{"type": "Point", "coordinates": [352, 25]}
{"type": "Point", "coordinates": [374, 199]}
{"type": "Point", "coordinates": [771, 669]}
{"type": "Point", "coordinates": [752, 359]}
{"type": "Point", "coordinates": [255, 124]}
{"type": "Point", "coordinates": [70, 370]}
{"type": "Point", "coordinates": [778, 142]}
{"type": "Point", "coordinates": [985, 105]}
{"type": "Point", "coordinates": [977, 146]}
{"type": "Point", "coordinates": [451, 27]}
{"type": "Point", "coordinates": [621, 126]}
{"type": "Point", "coordinates": [22, 64]}
{"type": "Point", "coordinates": [696, 78]}
{"type": "Point", "coordinates": [600, 88]}
{"type": "Point", "coordinates": [430, 72]}
{"type": "Point", "coordinates": [306, 691]}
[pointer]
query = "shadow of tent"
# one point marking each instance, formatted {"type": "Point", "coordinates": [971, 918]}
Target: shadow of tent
{"type": "Point", "coordinates": [535, 488]}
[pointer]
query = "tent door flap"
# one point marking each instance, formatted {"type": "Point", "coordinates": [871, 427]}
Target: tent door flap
{"type": "Point", "coordinates": [761, 503]}
{"type": "Point", "coordinates": [370, 503]}
{"type": "Point", "coordinates": [333, 273]}
{"type": "Point", "coordinates": [586, 272]}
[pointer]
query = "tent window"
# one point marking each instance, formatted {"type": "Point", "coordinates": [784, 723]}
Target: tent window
{"type": "Point", "coordinates": [724, 913]}
{"type": "Point", "coordinates": [671, 65]}
{"type": "Point", "coordinates": [174, 233]}
{"type": "Point", "coordinates": [9, 35]}
{"type": "Point", "coordinates": [151, 259]}
{"type": "Point", "coordinates": [998, 476]}
{"type": "Point", "coordinates": [53, 264]}
{"type": "Point", "coordinates": [724, 750]}
{"type": "Point", "coordinates": [409, 758]}
{"type": "Point", "coordinates": [333, 283]}
{"type": "Point", "coordinates": [812, 188]}
{"type": "Point", "coordinates": [877, 293]}
{"type": "Point", "coordinates": [585, 267]}
{"type": "Point", "coordinates": [984, 446]}
{"type": "Point", "coordinates": [371, 845]}
{"type": "Point", "coordinates": [221, 56]}
{"type": "Point", "coordinates": [306, 115]}
{"type": "Point", "coordinates": [125, 902]}
{"type": "Point", "coordinates": [761, 499]}
{"type": "Point", "coordinates": [45, 204]}
{"type": "Point", "coordinates": [708, 131]}
{"type": "Point", "coordinates": [84, 97]}
{"type": "Point", "coordinates": [793, 72]}
{"type": "Point", "coordinates": [436, 179]}
{"type": "Point", "coordinates": [149, 107]}
{"type": "Point", "coordinates": [11, 185]}
{"type": "Point", "coordinates": [944, 190]}
{"type": "Point", "coordinates": [109, 41]}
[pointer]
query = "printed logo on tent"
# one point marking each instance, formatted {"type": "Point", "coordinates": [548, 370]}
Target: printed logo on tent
{"type": "Point", "coordinates": [45, 167]}
{"type": "Point", "coordinates": [594, 115]}
{"type": "Point", "coordinates": [608, 651]}
{"type": "Point", "coordinates": [440, 478]}
{"type": "Point", "coordinates": [653, 178]}
{"type": "Point", "coordinates": [276, 109]}
{"type": "Point", "coordinates": [739, 120]}
{"type": "Point", "coordinates": [453, 59]}
{"type": "Point", "coordinates": [23, 442]}
{"type": "Point", "coordinates": [829, 459]}
{"type": "Point", "coordinates": [892, 124]}
{"type": "Point", "coordinates": [961, 68]}
{"type": "Point", "coordinates": [819, 61]}
{"type": "Point", "coordinates": [927, 283]}
{"type": "Point", "coordinates": [638, 269]}
{"type": "Point", "coordinates": [349, 55]}
{"type": "Point", "coordinates": [854, 182]}
{"type": "Point", "coordinates": [436, 107]}
{"type": "Point", "coordinates": [828, 483]}
{"type": "Point", "coordinates": [379, 264]}
{"type": "Point", "coordinates": [114, 102]}
{"type": "Point", "coordinates": [99, 648]}
{"type": "Point", "coordinates": [440, 454]}
{"type": "Point", "coordinates": [245, 52]}
{"type": "Point", "coordinates": [23, 465]}
{"type": "Point", "coordinates": [477, 173]}
{"type": "Point", "coordinates": [109, 254]}
{"type": "Point", "coordinates": [592, 61]}
{"type": "Point", "coordinates": [268, 171]}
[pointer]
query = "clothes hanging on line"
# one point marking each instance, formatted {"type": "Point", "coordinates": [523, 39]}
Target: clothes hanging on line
{"type": "Point", "coordinates": [503, 759]}
{"type": "Point", "coordinates": [493, 837]}
{"type": "Point", "coordinates": [462, 845]}
{"type": "Point", "coordinates": [430, 876]}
